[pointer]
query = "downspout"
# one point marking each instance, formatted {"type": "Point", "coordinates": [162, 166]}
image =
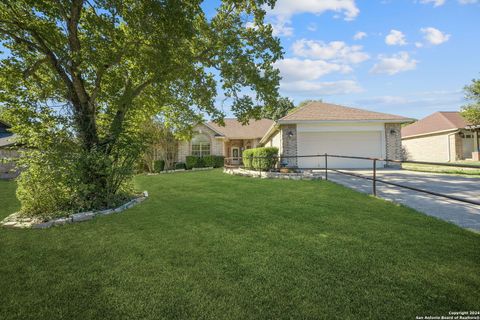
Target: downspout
{"type": "Point", "coordinates": [448, 140]}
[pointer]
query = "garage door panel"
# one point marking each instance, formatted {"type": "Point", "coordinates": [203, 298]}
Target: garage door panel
{"type": "Point", "coordinates": [358, 144]}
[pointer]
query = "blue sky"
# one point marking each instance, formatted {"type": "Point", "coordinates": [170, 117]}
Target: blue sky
{"type": "Point", "coordinates": [410, 57]}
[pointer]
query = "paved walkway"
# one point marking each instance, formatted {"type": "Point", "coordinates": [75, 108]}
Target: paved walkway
{"type": "Point", "coordinates": [462, 214]}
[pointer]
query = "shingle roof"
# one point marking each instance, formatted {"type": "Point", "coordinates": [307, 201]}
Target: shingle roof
{"type": "Point", "coordinates": [438, 121]}
{"type": "Point", "coordinates": [233, 129]}
{"type": "Point", "coordinates": [319, 111]}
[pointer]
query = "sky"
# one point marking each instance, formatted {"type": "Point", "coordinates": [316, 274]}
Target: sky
{"type": "Point", "coordinates": [407, 57]}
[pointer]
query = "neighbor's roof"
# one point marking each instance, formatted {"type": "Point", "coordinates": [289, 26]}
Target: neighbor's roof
{"type": "Point", "coordinates": [436, 122]}
{"type": "Point", "coordinates": [319, 111]}
{"type": "Point", "coordinates": [7, 140]}
{"type": "Point", "coordinates": [233, 129]}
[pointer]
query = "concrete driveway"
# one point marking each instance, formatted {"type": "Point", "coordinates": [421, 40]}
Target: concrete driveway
{"type": "Point", "coordinates": [462, 214]}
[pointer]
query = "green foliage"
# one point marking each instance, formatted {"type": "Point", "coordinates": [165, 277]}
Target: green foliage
{"type": "Point", "coordinates": [194, 162]}
{"type": "Point", "coordinates": [180, 165]}
{"type": "Point", "coordinates": [214, 161]}
{"type": "Point", "coordinates": [471, 112]}
{"type": "Point", "coordinates": [159, 165]}
{"type": "Point", "coordinates": [282, 108]}
{"type": "Point", "coordinates": [264, 158]}
{"type": "Point", "coordinates": [91, 74]}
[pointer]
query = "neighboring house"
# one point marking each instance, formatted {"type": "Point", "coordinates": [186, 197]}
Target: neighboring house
{"type": "Point", "coordinates": [228, 141]}
{"type": "Point", "coordinates": [440, 137]}
{"type": "Point", "coordinates": [7, 151]}
{"type": "Point", "coordinates": [314, 129]}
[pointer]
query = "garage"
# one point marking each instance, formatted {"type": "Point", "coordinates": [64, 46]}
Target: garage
{"type": "Point", "coordinates": [351, 143]}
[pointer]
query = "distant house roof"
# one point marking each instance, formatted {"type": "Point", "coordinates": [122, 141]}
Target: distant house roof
{"type": "Point", "coordinates": [234, 129]}
{"type": "Point", "coordinates": [319, 111]}
{"type": "Point", "coordinates": [436, 122]}
{"type": "Point", "coordinates": [6, 137]}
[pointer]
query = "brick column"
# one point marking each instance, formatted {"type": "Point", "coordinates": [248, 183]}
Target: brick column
{"type": "Point", "coordinates": [393, 143]}
{"type": "Point", "coordinates": [289, 143]}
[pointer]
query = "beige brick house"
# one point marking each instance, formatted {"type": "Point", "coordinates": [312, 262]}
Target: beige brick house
{"type": "Point", "coordinates": [315, 129]}
{"type": "Point", "coordinates": [440, 137]}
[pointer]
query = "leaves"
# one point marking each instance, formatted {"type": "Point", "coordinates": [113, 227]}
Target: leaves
{"type": "Point", "coordinates": [471, 112]}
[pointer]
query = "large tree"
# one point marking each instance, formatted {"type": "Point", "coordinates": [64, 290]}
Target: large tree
{"type": "Point", "coordinates": [80, 76]}
{"type": "Point", "coordinates": [471, 112]}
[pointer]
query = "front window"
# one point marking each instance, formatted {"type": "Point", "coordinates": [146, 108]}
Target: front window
{"type": "Point", "coordinates": [200, 145]}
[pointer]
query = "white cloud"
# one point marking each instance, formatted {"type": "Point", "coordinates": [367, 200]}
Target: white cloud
{"type": "Point", "coordinates": [280, 16]}
{"type": "Point", "coordinates": [436, 3]}
{"type": "Point", "coordinates": [322, 88]}
{"type": "Point", "coordinates": [312, 27]}
{"type": "Point", "coordinates": [434, 36]}
{"type": "Point", "coordinates": [337, 51]}
{"type": "Point", "coordinates": [394, 64]}
{"type": "Point", "coordinates": [288, 8]}
{"type": "Point", "coordinates": [359, 35]}
{"type": "Point", "coordinates": [395, 38]}
{"type": "Point", "coordinates": [384, 100]}
{"type": "Point", "coordinates": [293, 69]}
{"type": "Point", "coordinates": [467, 1]}
{"type": "Point", "coordinates": [418, 44]}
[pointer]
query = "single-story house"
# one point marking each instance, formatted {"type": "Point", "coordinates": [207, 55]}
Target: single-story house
{"type": "Point", "coordinates": [440, 137]}
{"type": "Point", "coordinates": [314, 129]}
{"type": "Point", "coordinates": [8, 151]}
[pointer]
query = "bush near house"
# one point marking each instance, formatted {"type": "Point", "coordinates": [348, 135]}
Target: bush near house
{"type": "Point", "coordinates": [214, 161]}
{"type": "Point", "coordinates": [203, 162]}
{"type": "Point", "coordinates": [263, 158]}
{"type": "Point", "coordinates": [159, 165]}
{"type": "Point", "coordinates": [180, 165]}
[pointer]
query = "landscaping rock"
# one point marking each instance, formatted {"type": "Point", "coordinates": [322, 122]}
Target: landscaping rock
{"type": "Point", "coordinates": [145, 194]}
{"type": "Point", "coordinates": [82, 216]}
{"type": "Point", "coordinates": [61, 221]}
{"type": "Point", "coordinates": [105, 212]}
{"type": "Point", "coordinates": [43, 225]}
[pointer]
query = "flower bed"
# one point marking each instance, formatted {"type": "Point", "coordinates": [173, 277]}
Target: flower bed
{"type": "Point", "coordinates": [16, 221]}
{"type": "Point", "coordinates": [302, 175]}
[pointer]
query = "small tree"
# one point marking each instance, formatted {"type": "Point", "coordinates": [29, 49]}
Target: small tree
{"type": "Point", "coordinates": [471, 112]}
{"type": "Point", "coordinates": [162, 145]}
{"type": "Point", "coordinates": [80, 78]}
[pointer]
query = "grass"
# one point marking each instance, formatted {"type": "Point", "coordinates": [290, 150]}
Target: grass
{"type": "Point", "coordinates": [444, 169]}
{"type": "Point", "coordinates": [211, 246]}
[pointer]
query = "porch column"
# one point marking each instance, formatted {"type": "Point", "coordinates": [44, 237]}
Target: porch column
{"type": "Point", "coordinates": [476, 147]}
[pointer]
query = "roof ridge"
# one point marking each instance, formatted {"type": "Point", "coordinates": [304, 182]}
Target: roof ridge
{"type": "Point", "coordinates": [448, 120]}
{"type": "Point", "coordinates": [295, 111]}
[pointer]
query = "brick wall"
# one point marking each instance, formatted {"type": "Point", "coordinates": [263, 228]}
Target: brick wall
{"type": "Point", "coordinates": [393, 142]}
{"type": "Point", "coordinates": [289, 143]}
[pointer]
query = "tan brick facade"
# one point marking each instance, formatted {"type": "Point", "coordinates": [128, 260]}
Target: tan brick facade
{"type": "Point", "coordinates": [216, 143]}
{"type": "Point", "coordinates": [289, 144]}
{"type": "Point", "coordinates": [393, 142]}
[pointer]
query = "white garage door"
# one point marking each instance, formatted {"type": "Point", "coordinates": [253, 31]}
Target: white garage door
{"type": "Point", "coordinates": [359, 144]}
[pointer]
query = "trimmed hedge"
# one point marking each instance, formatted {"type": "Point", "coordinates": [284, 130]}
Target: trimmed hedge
{"type": "Point", "coordinates": [194, 162]}
{"type": "Point", "coordinates": [203, 162]}
{"type": "Point", "coordinates": [159, 165]}
{"type": "Point", "coordinates": [267, 158]}
{"type": "Point", "coordinates": [180, 165]}
{"type": "Point", "coordinates": [213, 161]}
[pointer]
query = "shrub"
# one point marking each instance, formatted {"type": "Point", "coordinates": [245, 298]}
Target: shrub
{"type": "Point", "coordinates": [159, 165]}
{"type": "Point", "coordinates": [180, 165]}
{"type": "Point", "coordinates": [194, 162]}
{"type": "Point", "coordinates": [260, 158]}
{"type": "Point", "coordinates": [213, 161]}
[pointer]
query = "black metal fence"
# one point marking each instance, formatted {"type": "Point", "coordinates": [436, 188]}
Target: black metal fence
{"type": "Point", "coordinates": [236, 162]}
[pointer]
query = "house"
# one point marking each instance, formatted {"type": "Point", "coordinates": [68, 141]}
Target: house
{"type": "Point", "coordinates": [228, 141]}
{"type": "Point", "coordinates": [440, 137]}
{"type": "Point", "coordinates": [7, 152]}
{"type": "Point", "coordinates": [314, 129]}
{"type": "Point", "coordinates": [318, 128]}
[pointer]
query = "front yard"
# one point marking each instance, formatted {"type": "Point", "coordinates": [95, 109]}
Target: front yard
{"type": "Point", "coordinates": [214, 246]}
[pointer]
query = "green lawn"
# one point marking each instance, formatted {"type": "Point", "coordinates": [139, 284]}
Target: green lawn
{"type": "Point", "coordinates": [206, 245]}
{"type": "Point", "coordinates": [444, 169]}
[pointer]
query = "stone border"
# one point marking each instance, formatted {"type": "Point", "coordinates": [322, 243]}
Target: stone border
{"type": "Point", "coordinates": [304, 175]}
{"type": "Point", "coordinates": [13, 221]}
{"type": "Point", "coordinates": [179, 170]}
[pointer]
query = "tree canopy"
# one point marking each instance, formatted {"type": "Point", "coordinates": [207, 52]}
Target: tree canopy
{"type": "Point", "coordinates": [79, 77]}
{"type": "Point", "coordinates": [471, 111]}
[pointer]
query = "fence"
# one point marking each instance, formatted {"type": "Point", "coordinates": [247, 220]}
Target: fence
{"type": "Point", "coordinates": [234, 162]}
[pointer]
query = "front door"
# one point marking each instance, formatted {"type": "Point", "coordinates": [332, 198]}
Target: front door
{"type": "Point", "coordinates": [235, 155]}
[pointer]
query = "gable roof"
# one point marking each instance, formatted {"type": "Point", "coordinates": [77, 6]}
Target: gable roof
{"type": "Point", "coordinates": [319, 111]}
{"type": "Point", "coordinates": [234, 129]}
{"type": "Point", "coordinates": [438, 121]}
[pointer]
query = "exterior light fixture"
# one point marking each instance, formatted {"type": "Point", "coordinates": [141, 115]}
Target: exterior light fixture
{"type": "Point", "coordinates": [290, 134]}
